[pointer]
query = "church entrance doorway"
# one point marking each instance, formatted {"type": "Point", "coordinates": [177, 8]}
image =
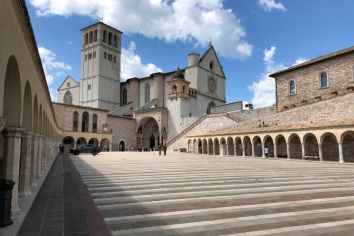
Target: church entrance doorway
{"type": "Point", "coordinates": [121, 146]}
{"type": "Point", "coordinates": [152, 142]}
{"type": "Point", "coordinates": [148, 134]}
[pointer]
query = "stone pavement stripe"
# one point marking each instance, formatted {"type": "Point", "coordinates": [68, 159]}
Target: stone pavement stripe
{"type": "Point", "coordinates": [117, 205]}
{"type": "Point", "coordinates": [295, 228]}
{"type": "Point", "coordinates": [227, 209]}
{"type": "Point", "coordinates": [228, 221]}
{"type": "Point", "coordinates": [106, 196]}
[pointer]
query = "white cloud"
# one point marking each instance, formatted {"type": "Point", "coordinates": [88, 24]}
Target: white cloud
{"type": "Point", "coordinates": [269, 5]}
{"type": "Point", "coordinates": [69, 42]}
{"type": "Point", "coordinates": [132, 65]}
{"type": "Point", "coordinates": [264, 89]}
{"type": "Point", "coordinates": [196, 21]}
{"type": "Point", "coordinates": [52, 68]}
{"type": "Point", "coordinates": [300, 60]}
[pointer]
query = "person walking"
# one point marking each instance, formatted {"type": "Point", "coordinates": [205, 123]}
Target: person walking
{"type": "Point", "coordinates": [266, 151]}
{"type": "Point", "coordinates": [94, 150]}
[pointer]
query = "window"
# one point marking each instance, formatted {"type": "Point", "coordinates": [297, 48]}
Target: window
{"type": "Point", "coordinates": [183, 89]}
{"type": "Point", "coordinates": [105, 55]}
{"type": "Point", "coordinates": [211, 65]}
{"type": "Point", "coordinates": [86, 38]}
{"type": "Point", "coordinates": [109, 57]}
{"type": "Point", "coordinates": [324, 79]}
{"type": "Point", "coordinates": [94, 123]}
{"type": "Point", "coordinates": [85, 57]}
{"type": "Point", "coordinates": [90, 56]}
{"type": "Point", "coordinates": [147, 93]}
{"type": "Point", "coordinates": [68, 98]}
{"type": "Point", "coordinates": [104, 36]}
{"type": "Point", "coordinates": [89, 87]}
{"type": "Point", "coordinates": [110, 38]}
{"type": "Point", "coordinates": [174, 89]}
{"type": "Point", "coordinates": [75, 121]}
{"type": "Point", "coordinates": [68, 84]}
{"type": "Point", "coordinates": [95, 36]}
{"type": "Point", "coordinates": [210, 106]}
{"type": "Point", "coordinates": [292, 87]}
{"type": "Point", "coordinates": [94, 54]}
{"type": "Point", "coordinates": [115, 41]}
{"type": "Point", "coordinates": [91, 37]}
{"type": "Point", "coordinates": [85, 122]}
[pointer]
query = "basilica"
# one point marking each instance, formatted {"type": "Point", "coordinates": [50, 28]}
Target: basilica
{"type": "Point", "coordinates": [140, 113]}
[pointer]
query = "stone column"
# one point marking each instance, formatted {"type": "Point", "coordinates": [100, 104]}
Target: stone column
{"type": "Point", "coordinates": [12, 162]}
{"type": "Point", "coordinates": [222, 146]}
{"type": "Point", "coordinates": [340, 149]}
{"type": "Point", "coordinates": [235, 149]}
{"type": "Point", "coordinates": [39, 156]}
{"type": "Point", "coordinates": [320, 151]}
{"type": "Point", "coordinates": [226, 149]}
{"type": "Point", "coordinates": [34, 159]}
{"type": "Point", "coordinates": [288, 150]}
{"type": "Point", "coordinates": [275, 150]}
{"type": "Point", "coordinates": [214, 146]}
{"type": "Point", "coordinates": [303, 151]}
{"type": "Point", "coordinates": [243, 149]}
{"type": "Point", "coordinates": [263, 154]}
{"type": "Point", "coordinates": [253, 149]}
{"type": "Point", "coordinates": [25, 163]}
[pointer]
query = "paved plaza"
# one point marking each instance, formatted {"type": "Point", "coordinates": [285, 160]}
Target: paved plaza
{"type": "Point", "coordinates": [183, 194]}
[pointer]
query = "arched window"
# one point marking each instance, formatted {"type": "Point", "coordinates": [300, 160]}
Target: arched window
{"type": "Point", "coordinates": [174, 89]}
{"type": "Point", "coordinates": [104, 36]}
{"type": "Point", "coordinates": [85, 122]}
{"type": "Point", "coordinates": [183, 89]}
{"type": "Point", "coordinates": [211, 65]}
{"type": "Point", "coordinates": [211, 105]}
{"type": "Point", "coordinates": [94, 123]}
{"type": "Point", "coordinates": [91, 37]}
{"type": "Point", "coordinates": [115, 41]}
{"type": "Point", "coordinates": [292, 87]}
{"type": "Point", "coordinates": [147, 92]}
{"type": "Point", "coordinates": [324, 80]}
{"type": "Point", "coordinates": [110, 38]}
{"type": "Point", "coordinates": [86, 38]}
{"type": "Point", "coordinates": [75, 121]}
{"type": "Point", "coordinates": [68, 98]}
{"type": "Point", "coordinates": [95, 36]}
{"type": "Point", "coordinates": [124, 97]}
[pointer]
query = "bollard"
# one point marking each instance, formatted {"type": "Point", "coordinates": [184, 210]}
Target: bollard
{"type": "Point", "coordinates": [5, 201]}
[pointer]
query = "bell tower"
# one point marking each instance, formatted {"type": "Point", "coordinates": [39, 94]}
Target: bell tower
{"type": "Point", "coordinates": [100, 66]}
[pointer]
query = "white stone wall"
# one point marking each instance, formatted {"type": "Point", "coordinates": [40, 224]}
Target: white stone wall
{"type": "Point", "coordinates": [75, 92]}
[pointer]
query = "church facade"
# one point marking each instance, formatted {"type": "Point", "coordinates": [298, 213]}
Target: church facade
{"type": "Point", "coordinates": [140, 113]}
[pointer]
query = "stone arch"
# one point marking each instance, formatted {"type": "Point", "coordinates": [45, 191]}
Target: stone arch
{"type": "Point", "coordinates": [12, 94]}
{"type": "Point", "coordinates": [68, 141]}
{"type": "Point", "coordinates": [247, 146]}
{"type": "Point", "coordinates": [104, 145]}
{"type": "Point", "coordinates": [280, 143]}
{"type": "Point", "coordinates": [329, 145]}
{"type": "Point", "coordinates": [195, 146]}
{"type": "Point", "coordinates": [217, 146]}
{"type": "Point", "coordinates": [115, 40]}
{"type": "Point", "coordinates": [347, 140]}
{"type": "Point", "coordinates": [93, 141]}
{"type": "Point", "coordinates": [85, 121]}
{"type": "Point", "coordinates": [210, 146]}
{"type": "Point", "coordinates": [223, 143]}
{"type": "Point", "coordinates": [268, 142]}
{"type": "Point", "coordinates": [205, 146]}
{"type": "Point", "coordinates": [230, 146]}
{"type": "Point", "coordinates": [104, 36]}
{"type": "Point", "coordinates": [35, 114]}
{"type": "Point", "coordinates": [80, 141]}
{"type": "Point", "coordinates": [238, 143]}
{"type": "Point", "coordinates": [110, 38]}
{"type": "Point", "coordinates": [257, 146]}
{"type": "Point", "coordinates": [295, 148]}
{"type": "Point", "coordinates": [68, 98]}
{"type": "Point", "coordinates": [200, 145]}
{"type": "Point", "coordinates": [148, 133]}
{"type": "Point", "coordinates": [27, 113]}
{"type": "Point", "coordinates": [311, 145]}
{"type": "Point", "coordinates": [91, 37]}
{"type": "Point", "coordinates": [122, 145]}
{"type": "Point", "coordinates": [174, 89]}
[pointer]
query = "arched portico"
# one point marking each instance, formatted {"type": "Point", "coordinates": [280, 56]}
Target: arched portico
{"type": "Point", "coordinates": [311, 147]}
{"type": "Point", "coordinates": [148, 133]}
{"type": "Point", "coordinates": [230, 146]}
{"type": "Point", "coordinates": [210, 146]}
{"type": "Point", "coordinates": [80, 141]}
{"type": "Point", "coordinates": [295, 147]}
{"type": "Point", "coordinates": [347, 141]}
{"type": "Point", "coordinates": [104, 145]}
{"type": "Point", "coordinates": [216, 146]}
{"type": "Point", "coordinates": [247, 146]}
{"type": "Point", "coordinates": [257, 146]}
{"type": "Point", "coordinates": [281, 147]}
{"type": "Point", "coordinates": [268, 142]}
{"type": "Point", "coordinates": [329, 147]}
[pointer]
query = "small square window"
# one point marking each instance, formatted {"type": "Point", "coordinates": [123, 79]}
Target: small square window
{"type": "Point", "coordinates": [89, 87]}
{"type": "Point", "coordinates": [68, 84]}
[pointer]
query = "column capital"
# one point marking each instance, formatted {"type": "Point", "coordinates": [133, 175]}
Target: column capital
{"type": "Point", "coordinates": [27, 134]}
{"type": "Point", "coordinates": [13, 132]}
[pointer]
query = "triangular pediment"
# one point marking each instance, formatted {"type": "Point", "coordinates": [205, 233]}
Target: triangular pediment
{"type": "Point", "coordinates": [68, 82]}
{"type": "Point", "coordinates": [210, 61]}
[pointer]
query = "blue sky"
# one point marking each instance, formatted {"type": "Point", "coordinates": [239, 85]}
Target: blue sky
{"type": "Point", "coordinates": [252, 37]}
